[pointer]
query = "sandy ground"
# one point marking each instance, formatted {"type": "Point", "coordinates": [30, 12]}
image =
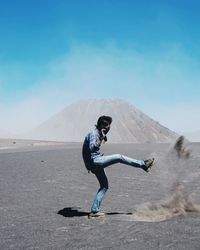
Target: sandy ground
{"type": "Point", "coordinates": [14, 145]}
{"type": "Point", "coordinates": [45, 196]}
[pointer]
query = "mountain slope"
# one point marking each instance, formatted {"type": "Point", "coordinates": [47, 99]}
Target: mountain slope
{"type": "Point", "coordinates": [129, 125]}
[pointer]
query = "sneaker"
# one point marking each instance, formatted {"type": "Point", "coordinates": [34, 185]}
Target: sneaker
{"type": "Point", "coordinates": [96, 214]}
{"type": "Point", "coordinates": [148, 164]}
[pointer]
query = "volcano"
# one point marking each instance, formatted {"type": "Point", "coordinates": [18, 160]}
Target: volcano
{"type": "Point", "coordinates": [130, 125]}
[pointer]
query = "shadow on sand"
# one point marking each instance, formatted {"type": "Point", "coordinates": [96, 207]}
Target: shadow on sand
{"type": "Point", "coordinates": [74, 212]}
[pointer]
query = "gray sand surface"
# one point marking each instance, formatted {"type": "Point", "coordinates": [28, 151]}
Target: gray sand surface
{"type": "Point", "coordinates": [16, 144]}
{"type": "Point", "coordinates": [46, 193]}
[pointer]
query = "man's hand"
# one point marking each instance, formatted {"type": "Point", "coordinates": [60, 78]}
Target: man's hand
{"type": "Point", "coordinates": [103, 136]}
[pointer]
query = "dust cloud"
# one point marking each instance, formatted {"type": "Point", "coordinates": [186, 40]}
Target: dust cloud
{"type": "Point", "coordinates": [178, 204]}
{"type": "Point", "coordinates": [173, 177]}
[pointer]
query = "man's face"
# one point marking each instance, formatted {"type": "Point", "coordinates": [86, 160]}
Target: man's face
{"type": "Point", "coordinates": [107, 128]}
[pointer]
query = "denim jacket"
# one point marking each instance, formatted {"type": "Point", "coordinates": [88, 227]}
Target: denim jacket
{"type": "Point", "coordinates": [91, 147]}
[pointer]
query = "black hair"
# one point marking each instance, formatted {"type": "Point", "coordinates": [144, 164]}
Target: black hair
{"type": "Point", "coordinates": [103, 121]}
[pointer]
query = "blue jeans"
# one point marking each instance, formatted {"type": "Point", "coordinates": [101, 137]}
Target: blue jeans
{"type": "Point", "coordinates": [97, 168]}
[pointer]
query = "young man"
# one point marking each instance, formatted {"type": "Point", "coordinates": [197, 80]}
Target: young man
{"type": "Point", "coordinates": [95, 161]}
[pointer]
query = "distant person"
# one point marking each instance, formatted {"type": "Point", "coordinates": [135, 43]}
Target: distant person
{"type": "Point", "coordinates": [95, 161]}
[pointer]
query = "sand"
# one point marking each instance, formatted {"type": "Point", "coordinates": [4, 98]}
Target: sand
{"type": "Point", "coordinates": [18, 144]}
{"type": "Point", "coordinates": [46, 194]}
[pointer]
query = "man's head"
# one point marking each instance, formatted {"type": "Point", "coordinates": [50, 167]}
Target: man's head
{"type": "Point", "coordinates": [104, 122]}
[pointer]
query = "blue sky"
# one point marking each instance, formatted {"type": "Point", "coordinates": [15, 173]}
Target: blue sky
{"type": "Point", "coordinates": [53, 53]}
